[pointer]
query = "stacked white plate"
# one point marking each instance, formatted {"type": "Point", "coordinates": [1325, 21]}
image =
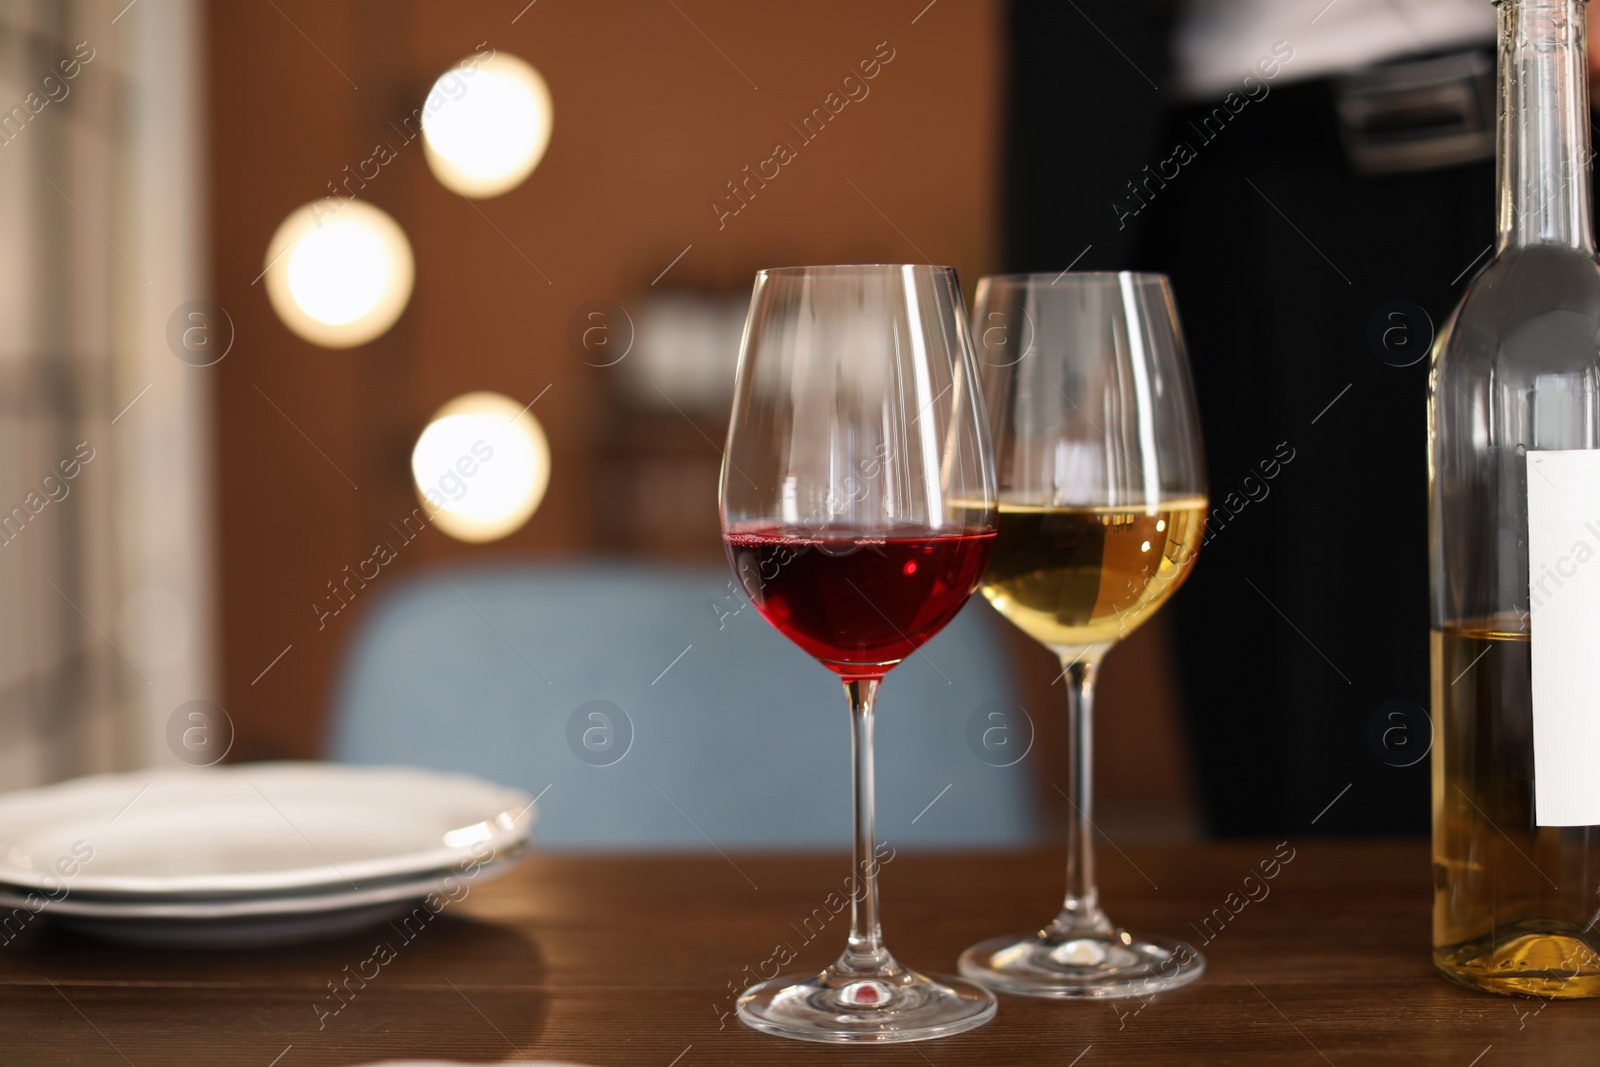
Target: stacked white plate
{"type": "Point", "coordinates": [252, 854]}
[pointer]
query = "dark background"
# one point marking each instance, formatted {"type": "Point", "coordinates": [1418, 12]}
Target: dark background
{"type": "Point", "coordinates": [1307, 618]}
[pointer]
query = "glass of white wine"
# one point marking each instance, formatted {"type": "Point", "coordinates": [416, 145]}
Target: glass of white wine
{"type": "Point", "coordinates": [1102, 502]}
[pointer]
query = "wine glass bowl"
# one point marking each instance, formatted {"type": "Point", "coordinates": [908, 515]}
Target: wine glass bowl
{"type": "Point", "coordinates": [858, 512]}
{"type": "Point", "coordinates": [912, 583]}
{"type": "Point", "coordinates": [1102, 509]}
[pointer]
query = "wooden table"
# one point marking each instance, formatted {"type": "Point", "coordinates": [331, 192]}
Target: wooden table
{"type": "Point", "coordinates": [636, 961]}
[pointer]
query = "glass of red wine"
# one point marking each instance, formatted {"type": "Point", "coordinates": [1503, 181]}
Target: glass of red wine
{"type": "Point", "coordinates": [858, 509]}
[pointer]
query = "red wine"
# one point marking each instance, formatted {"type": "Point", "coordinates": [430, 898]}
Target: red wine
{"type": "Point", "coordinates": [859, 604]}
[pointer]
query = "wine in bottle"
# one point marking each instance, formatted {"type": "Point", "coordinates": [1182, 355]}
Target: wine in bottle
{"type": "Point", "coordinates": [1514, 472]}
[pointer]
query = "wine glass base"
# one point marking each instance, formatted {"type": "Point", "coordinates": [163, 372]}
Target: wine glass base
{"type": "Point", "coordinates": [1110, 964]}
{"type": "Point", "coordinates": [842, 1008]}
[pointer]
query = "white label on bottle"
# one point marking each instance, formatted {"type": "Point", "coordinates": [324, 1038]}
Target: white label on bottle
{"type": "Point", "coordinates": [1564, 600]}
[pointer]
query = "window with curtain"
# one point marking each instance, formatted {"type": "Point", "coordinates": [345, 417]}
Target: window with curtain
{"type": "Point", "coordinates": [105, 612]}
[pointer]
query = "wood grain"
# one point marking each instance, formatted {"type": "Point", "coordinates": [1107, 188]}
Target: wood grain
{"type": "Point", "coordinates": [634, 960]}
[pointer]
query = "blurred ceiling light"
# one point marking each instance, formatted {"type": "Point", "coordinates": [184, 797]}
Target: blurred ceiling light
{"type": "Point", "coordinates": [486, 124]}
{"type": "Point", "coordinates": [481, 466]}
{"type": "Point", "coordinates": [339, 272]}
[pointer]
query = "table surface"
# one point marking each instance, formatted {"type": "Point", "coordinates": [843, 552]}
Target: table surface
{"type": "Point", "coordinates": [636, 960]}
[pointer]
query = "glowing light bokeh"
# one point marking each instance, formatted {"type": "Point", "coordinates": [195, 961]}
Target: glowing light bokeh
{"type": "Point", "coordinates": [486, 124]}
{"type": "Point", "coordinates": [339, 272]}
{"type": "Point", "coordinates": [481, 466]}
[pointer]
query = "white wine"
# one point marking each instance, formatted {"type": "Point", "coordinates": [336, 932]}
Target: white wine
{"type": "Point", "coordinates": [1091, 405]}
{"type": "Point", "coordinates": [1515, 483]}
{"type": "Point", "coordinates": [1490, 858]}
{"type": "Point", "coordinates": [1078, 578]}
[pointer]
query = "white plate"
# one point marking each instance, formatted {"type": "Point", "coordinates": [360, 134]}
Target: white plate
{"type": "Point", "coordinates": [253, 828]}
{"type": "Point", "coordinates": [451, 884]}
{"type": "Point", "coordinates": [251, 931]}
{"type": "Point", "coordinates": [237, 922]}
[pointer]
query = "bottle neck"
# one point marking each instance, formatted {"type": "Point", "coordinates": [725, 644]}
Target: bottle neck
{"type": "Point", "coordinates": [1543, 151]}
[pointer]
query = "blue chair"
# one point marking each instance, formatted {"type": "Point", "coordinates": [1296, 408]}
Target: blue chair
{"type": "Point", "coordinates": [654, 709]}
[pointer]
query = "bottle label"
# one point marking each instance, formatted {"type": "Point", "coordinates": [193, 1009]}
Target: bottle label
{"type": "Point", "coordinates": [1564, 630]}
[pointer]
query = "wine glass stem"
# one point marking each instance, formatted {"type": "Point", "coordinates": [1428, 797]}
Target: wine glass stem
{"type": "Point", "coordinates": [865, 951]}
{"type": "Point", "coordinates": [1080, 912]}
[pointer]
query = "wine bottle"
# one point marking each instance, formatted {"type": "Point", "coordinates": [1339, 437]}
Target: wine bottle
{"type": "Point", "coordinates": [1514, 477]}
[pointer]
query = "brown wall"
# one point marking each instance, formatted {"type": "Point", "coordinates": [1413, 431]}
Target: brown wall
{"type": "Point", "coordinates": [650, 122]}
